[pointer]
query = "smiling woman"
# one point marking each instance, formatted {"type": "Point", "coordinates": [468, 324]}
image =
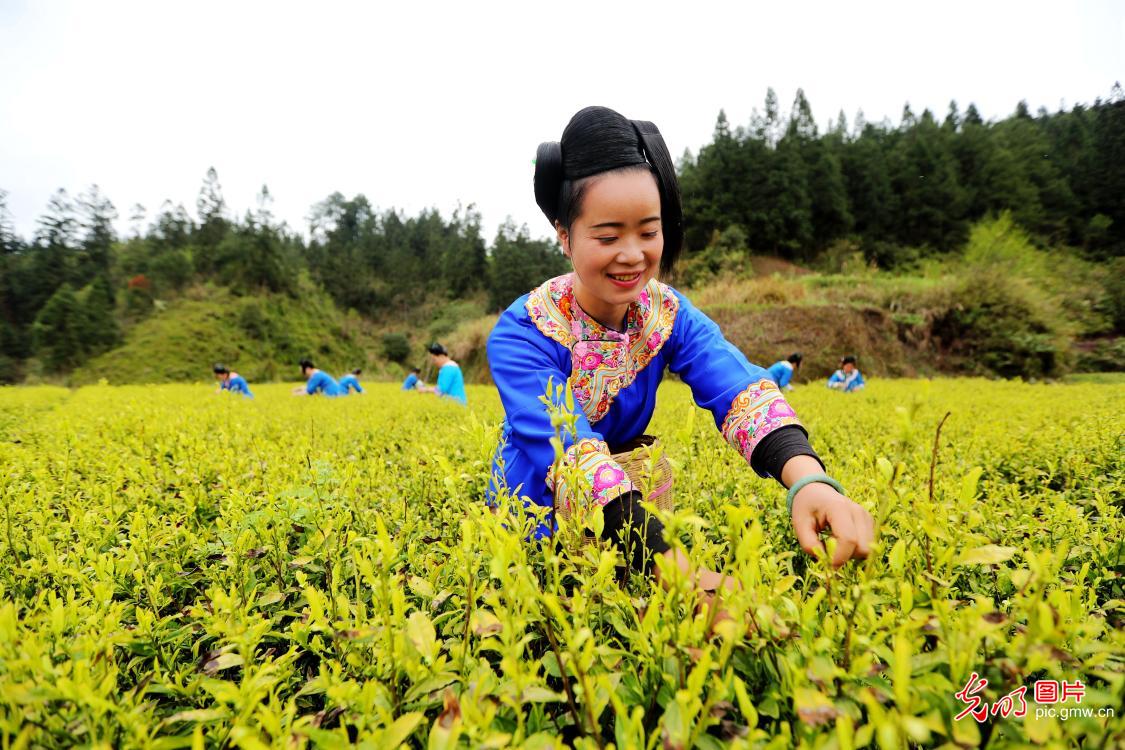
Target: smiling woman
{"type": "Point", "coordinates": [609, 330]}
{"type": "Point", "coordinates": [616, 244]}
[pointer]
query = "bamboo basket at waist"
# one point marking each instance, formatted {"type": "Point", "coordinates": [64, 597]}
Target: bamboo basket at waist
{"type": "Point", "coordinates": [636, 459]}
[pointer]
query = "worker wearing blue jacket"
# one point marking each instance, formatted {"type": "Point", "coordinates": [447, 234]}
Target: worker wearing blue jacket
{"type": "Point", "coordinates": [450, 382]}
{"type": "Point", "coordinates": [317, 381]}
{"type": "Point", "coordinates": [350, 382]}
{"type": "Point", "coordinates": [848, 378]}
{"type": "Point", "coordinates": [783, 371]}
{"type": "Point", "coordinates": [231, 381]}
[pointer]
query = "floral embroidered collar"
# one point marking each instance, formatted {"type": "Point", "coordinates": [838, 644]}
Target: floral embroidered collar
{"type": "Point", "coordinates": [603, 361]}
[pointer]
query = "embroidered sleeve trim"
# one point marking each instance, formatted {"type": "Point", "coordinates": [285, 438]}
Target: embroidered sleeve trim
{"type": "Point", "coordinates": [754, 413]}
{"type": "Point", "coordinates": [603, 479]}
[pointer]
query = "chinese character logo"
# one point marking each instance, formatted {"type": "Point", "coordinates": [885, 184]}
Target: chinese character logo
{"type": "Point", "coordinates": [969, 695]}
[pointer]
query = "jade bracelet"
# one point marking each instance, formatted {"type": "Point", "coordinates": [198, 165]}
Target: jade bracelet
{"type": "Point", "coordinates": [805, 481]}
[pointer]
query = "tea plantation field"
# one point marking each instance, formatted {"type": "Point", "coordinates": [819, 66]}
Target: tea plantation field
{"type": "Point", "coordinates": [184, 569]}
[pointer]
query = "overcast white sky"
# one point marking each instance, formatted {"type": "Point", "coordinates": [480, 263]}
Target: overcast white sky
{"type": "Point", "coordinates": [434, 103]}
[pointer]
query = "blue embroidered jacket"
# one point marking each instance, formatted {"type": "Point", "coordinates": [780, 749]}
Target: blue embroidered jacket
{"type": "Point", "coordinates": [545, 336]}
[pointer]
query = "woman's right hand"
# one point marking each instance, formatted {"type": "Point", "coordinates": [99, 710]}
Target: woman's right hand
{"type": "Point", "coordinates": [817, 507]}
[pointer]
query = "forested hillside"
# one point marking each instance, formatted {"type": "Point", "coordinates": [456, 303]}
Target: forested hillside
{"type": "Point", "coordinates": [963, 244]}
{"type": "Point", "coordinates": [901, 191]}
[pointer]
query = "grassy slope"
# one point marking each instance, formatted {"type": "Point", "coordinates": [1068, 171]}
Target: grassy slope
{"type": "Point", "coordinates": [770, 309]}
{"type": "Point", "coordinates": [262, 337]}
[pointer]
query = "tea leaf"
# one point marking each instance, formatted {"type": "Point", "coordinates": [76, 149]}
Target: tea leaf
{"type": "Point", "coordinates": [989, 554]}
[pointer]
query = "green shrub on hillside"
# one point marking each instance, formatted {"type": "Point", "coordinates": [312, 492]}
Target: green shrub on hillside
{"type": "Point", "coordinates": [997, 324]}
{"type": "Point", "coordinates": [1016, 310]}
{"type": "Point", "coordinates": [253, 319]}
{"type": "Point", "coordinates": [1058, 278]}
{"type": "Point", "coordinates": [396, 347]}
{"type": "Point", "coordinates": [262, 337]}
{"type": "Point", "coordinates": [1107, 355]}
{"type": "Point", "coordinates": [726, 256]}
{"type": "Point", "coordinates": [1114, 303]}
{"type": "Point", "coordinates": [451, 314]}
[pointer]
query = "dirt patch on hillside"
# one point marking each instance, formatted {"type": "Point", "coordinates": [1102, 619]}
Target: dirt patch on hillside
{"type": "Point", "coordinates": [823, 334]}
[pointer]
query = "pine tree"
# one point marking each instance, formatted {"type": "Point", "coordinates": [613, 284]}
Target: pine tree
{"type": "Point", "coordinates": [173, 227]}
{"type": "Point", "coordinates": [757, 216]}
{"type": "Point", "coordinates": [347, 251]}
{"type": "Point", "coordinates": [252, 256]}
{"type": "Point", "coordinates": [790, 210]}
{"type": "Point", "coordinates": [985, 172]}
{"type": "Point", "coordinates": [1106, 181]}
{"type": "Point", "coordinates": [518, 264]}
{"type": "Point", "coordinates": [952, 121]}
{"type": "Point", "coordinates": [860, 124]}
{"type": "Point", "coordinates": [908, 121]}
{"type": "Point", "coordinates": [101, 330]}
{"type": "Point", "coordinates": [58, 227]}
{"type": "Point", "coordinates": [59, 330]}
{"type": "Point", "coordinates": [716, 190]}
{"type": "Point", "coordinates": [924, 177]}
{"type": "Point", "coordinates": [52, 261]}
{"type": "Point", "coordinates": [96, 221]}
{"type": "Point", "coordinates": [13, 296]}
{"type": "Point", "coordinates": [801, 122]}
{"type": "Point", "coordinates": [863, 164]}
{"type": "Point", "coordinates": [829, 217]}
{"type": "Point", "coordinates": [213, 223]}
{"type": "Point", "coordinates": [137, 215]}
{"type": "Point", "coordinates": [722, 127]}
{"type": "Point", "coordinates": [774, 126]}
{"type": "Point", "coordinates": [464, 256]}
{"type": "Point", "coordinates": [1038, 195]}
{"type": "Point", "coordinates": [9, 240]}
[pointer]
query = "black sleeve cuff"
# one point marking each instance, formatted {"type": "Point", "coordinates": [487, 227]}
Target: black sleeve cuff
{"type": "Point", "coordinates": [638, 535]}
{"type": "Point", "coordinates": [778, 447]}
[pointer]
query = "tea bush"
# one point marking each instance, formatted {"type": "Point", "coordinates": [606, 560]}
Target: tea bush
{"type": "Point", "coordinates": [183, 569]}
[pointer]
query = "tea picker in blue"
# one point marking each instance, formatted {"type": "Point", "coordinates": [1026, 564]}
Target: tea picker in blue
{"type": "Point", "coordinates": [782, 372]}
{"type": "Point", "coordinates": [350, 382]}
{"type": "Point", "coordinates": [317, 381]}
{"type": "Point", "coordinates": [450, 382]}
{"type": "Point", "coordinates": [231, 381]}
{"type": "Point", "coordinates": [848, 378]}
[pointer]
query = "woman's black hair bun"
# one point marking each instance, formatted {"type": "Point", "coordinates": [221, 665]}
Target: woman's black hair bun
{"type": "Point", "coordinates": [599, 140]}
{"type": "Point", "coordinates": [548, 178]}
{"type": "Point", "coordinates": [655, 149]}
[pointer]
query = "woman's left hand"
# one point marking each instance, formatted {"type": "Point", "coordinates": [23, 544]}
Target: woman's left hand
{"type": "Point", "coordinates": [817, 507]}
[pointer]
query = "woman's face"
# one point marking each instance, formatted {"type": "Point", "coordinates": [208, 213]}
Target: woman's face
{"type": "Point", "coordinates": [615, 244]}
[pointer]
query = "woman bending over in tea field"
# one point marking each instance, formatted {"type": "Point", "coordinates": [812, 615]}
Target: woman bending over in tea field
{"type": "Point", "coordinates": [611, 328]}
